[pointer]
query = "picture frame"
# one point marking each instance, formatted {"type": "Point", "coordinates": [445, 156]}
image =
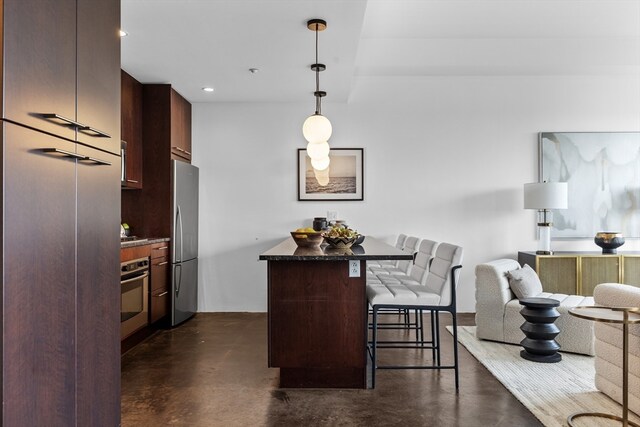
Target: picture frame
{"type": "Point", "coordinates": [343, 179]}
{"type": "Point", "coordinates": [602, 170]}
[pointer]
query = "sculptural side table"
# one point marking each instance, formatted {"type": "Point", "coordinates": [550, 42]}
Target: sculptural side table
{"type": "Point", "coordinates": [620, 315]}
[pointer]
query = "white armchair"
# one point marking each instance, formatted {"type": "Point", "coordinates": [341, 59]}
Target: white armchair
{"type": "Point", "coordinates": [498, 310]}
{"type": "Point", "coordinates": [608, 345]}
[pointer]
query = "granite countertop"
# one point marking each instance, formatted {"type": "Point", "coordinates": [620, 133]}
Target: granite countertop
{"type": "Point", "coordinates": [371, 249]}
{"type": "Point", "coordinates": [142, 242]}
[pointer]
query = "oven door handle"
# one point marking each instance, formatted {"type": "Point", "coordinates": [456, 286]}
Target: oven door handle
{"type": "Point", "coordinates": [133, 279]}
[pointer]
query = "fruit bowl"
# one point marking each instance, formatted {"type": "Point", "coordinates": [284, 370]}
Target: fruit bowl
{"type": "Point", "coordinates": [340, 242]}
{"type": "Point", "coordinates": [306, 239]}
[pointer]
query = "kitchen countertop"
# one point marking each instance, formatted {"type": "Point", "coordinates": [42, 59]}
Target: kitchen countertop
{"type": "Point", "coordinates": [371, 249]}
{"type": "Point", "coordinates": [143, 242]}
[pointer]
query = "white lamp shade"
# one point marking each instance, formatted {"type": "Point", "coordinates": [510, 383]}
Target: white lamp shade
{"type": "Point", "coordinates": [317, 128]}
{"type": "Point", "coordinates": [546, 195]}
{"type": "Point", "coordinates": [318, 150]}
{"type": "Point", "coordinates": [320, 164]}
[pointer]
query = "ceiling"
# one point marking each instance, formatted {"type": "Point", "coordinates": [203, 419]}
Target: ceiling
{"type": "Point", "coordinates": [196, 43]}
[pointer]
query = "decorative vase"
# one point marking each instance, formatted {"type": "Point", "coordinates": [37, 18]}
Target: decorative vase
{"type": "Point", "coordinates": [609, 241]}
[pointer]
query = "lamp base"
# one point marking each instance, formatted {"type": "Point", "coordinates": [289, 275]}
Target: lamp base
{"type": "Point", "coordinates": [544, 252]}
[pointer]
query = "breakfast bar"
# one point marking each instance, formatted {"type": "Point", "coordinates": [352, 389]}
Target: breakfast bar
{"type": "Point", "coordinates": [317, 312]}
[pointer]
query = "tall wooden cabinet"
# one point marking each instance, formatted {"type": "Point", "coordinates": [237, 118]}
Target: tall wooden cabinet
{"type": "Point", "coordinates": [580, 272]}
{"type": "Point", "coordinates": [61, 213]}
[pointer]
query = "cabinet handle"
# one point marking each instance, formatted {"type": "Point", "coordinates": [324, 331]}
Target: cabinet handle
{"type": "Point", "coordinates": [179, 149]}
{"type": "Point", "coordinates": [162, 294]}
{"type": "Point", "coordinates": [64, 153]}
{"type": "Point", "coordinates": [133, 181]}
{"type": "Point", "coordinates": [97, 132]}
{"type": "Point", "coordinates": [98, 161]}
{"type": "Point", "coordinates": [64, 119]}
{"type": "Point", "coordinates": [81, 127]}
{"type": "Point", "coordinates": [162, 263]}
{"type": "Point", "coordinates": [161, 249]}
{"type": "Point", "coordinates": [187, 152]}
{"type": "Point", "coordinates": [133, 279]}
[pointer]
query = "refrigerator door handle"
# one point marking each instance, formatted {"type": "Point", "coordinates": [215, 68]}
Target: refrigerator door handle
{"type": "Point", "coordinates": [179, 222]}
{"type": "Point", "coordinates": [178, 282]}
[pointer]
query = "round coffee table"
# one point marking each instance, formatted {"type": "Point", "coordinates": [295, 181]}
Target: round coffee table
{"type": "Point", "coordinates": [539, 330]}
{"type": "Point", "coordinates": [620, 315]}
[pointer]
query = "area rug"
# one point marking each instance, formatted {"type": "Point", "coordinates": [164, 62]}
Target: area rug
{"type": "Point", "coordinates": [551, 391]}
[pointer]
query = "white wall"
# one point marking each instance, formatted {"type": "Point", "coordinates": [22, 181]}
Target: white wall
{"type": "Point", "coordinates": [445, 159]}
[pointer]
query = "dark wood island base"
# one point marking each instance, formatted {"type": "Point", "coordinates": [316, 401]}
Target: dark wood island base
{"type": "Point", "coordinates": [317, 324]}
{"type": "Point", "coordinates": [318, 313]}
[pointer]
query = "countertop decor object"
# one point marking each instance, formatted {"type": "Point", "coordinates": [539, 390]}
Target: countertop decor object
{"type": "Point", "coordinates": [609, 241]}
{"type": "Point", "coordinates": [618, 315]}
{"type": "Point", "coordinates": [544, 196]}
{"type": "Point", "coordinates": [306, 239]}
{"type": "Point", "coordinates": [340, 242]}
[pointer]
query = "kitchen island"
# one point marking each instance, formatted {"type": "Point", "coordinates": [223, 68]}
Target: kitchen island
{"type": "Point", "coordinates": [317, 312]}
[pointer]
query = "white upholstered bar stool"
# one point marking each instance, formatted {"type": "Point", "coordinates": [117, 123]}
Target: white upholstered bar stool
{"type": "Point", "coordinates": [437, 294]}
{"type": "Point", "coordinates": [404, 266]}
{"type": "Point", "coordinates": [389, 263]}
{"type": "Point", "coordinates": [418, 276]}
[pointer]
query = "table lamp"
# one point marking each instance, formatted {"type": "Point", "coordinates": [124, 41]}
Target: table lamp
{"type": "Point", "coordinates": [544, 196]}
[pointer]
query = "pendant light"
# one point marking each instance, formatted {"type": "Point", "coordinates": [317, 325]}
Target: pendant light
{"type": "Point", "coordinates": [317, 128]}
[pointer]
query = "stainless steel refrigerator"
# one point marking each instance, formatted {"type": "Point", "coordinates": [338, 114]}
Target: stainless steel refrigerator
{"type": "Point", "coordinates": [184, 258]}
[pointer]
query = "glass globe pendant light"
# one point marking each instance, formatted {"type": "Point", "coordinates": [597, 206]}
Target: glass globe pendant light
{"type": "Point", "coordinates": [317, 128]}
{"type": "Point", "coordinates": [318, 150]}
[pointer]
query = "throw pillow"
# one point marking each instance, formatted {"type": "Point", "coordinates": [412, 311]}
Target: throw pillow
{"type": "Point", "coordinates": [524, 282]}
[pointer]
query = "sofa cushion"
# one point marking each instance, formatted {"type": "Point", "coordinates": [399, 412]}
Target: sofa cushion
{"type": "Point", "coordinates": [524, 282]}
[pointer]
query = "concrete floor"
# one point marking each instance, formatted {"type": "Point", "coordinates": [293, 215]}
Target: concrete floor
{"type": "Point", "coordinates": [212, 371]}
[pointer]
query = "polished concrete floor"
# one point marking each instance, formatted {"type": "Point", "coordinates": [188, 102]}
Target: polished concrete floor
{"type": "Point", "coordinates": [212, 371]}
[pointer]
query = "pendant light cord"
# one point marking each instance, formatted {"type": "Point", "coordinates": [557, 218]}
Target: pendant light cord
{"type": "Point", "coordinates": [318, 100]}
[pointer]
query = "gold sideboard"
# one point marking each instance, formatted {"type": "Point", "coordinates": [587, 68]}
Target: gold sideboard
{"type": "Point", "coordinates": [580, 272]}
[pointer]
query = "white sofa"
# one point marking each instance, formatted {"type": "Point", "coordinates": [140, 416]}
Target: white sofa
{"type": "Point", "coordinates": [609, 345]}
{"type": "Point", "coordinates": [498, 315]}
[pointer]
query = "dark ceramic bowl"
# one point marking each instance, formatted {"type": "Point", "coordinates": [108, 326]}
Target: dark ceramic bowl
{"type": "Point", "coordinates": [340, 242]}
{"type": "Point", "coordinates": [359, 239]}
{"type": "Point", "coordinates": [609, 241]}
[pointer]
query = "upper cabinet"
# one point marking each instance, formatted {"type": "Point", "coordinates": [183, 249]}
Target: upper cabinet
{"type": "Point", "coordinates": [131, 128]}
{"type": "Point", "coordinates": [60, 72]}
{"type": "Point", "coordinates": [166, 123]}
{"type": "Point", "coordinates": [98, 73]}
{"type": "Point", "coordinates": [180, 127]}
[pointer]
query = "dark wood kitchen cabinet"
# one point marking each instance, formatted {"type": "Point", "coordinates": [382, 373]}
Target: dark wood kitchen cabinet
{"type": "Point", "coordinates": [61, 213]}
{"type": "Point", "coordinates": [180, 128]}
{"type": "Point", "coordinates": [98, 288]}
{"type": "Point", "coordinates": [62, 58]}
{"type": "Point", "coordinates": [159, 293]}
{"type": "Point", "coordinates": [39, 287]}
{"type": "Point", "coordinates": [61, 201]}
{"type": "Point", "coordinates": [167, 121]}
{"type": "Point", "coordinates": [131, 128]}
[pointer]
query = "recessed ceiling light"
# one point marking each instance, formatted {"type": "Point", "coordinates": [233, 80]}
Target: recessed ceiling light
{"type": "Point", "coordinates": [253, 70]}
{"type": "Point", "coordinates": [207, 89]}
{"type": "Point", "coordinates": [123, 33]}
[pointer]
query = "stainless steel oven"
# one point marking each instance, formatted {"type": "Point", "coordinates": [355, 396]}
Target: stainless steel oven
{"type": "Point", "coordinates": [134, 284]}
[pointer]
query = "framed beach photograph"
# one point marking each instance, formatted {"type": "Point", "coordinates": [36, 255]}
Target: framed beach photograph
{"type": "Point", "coordinates": [342, 180]}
